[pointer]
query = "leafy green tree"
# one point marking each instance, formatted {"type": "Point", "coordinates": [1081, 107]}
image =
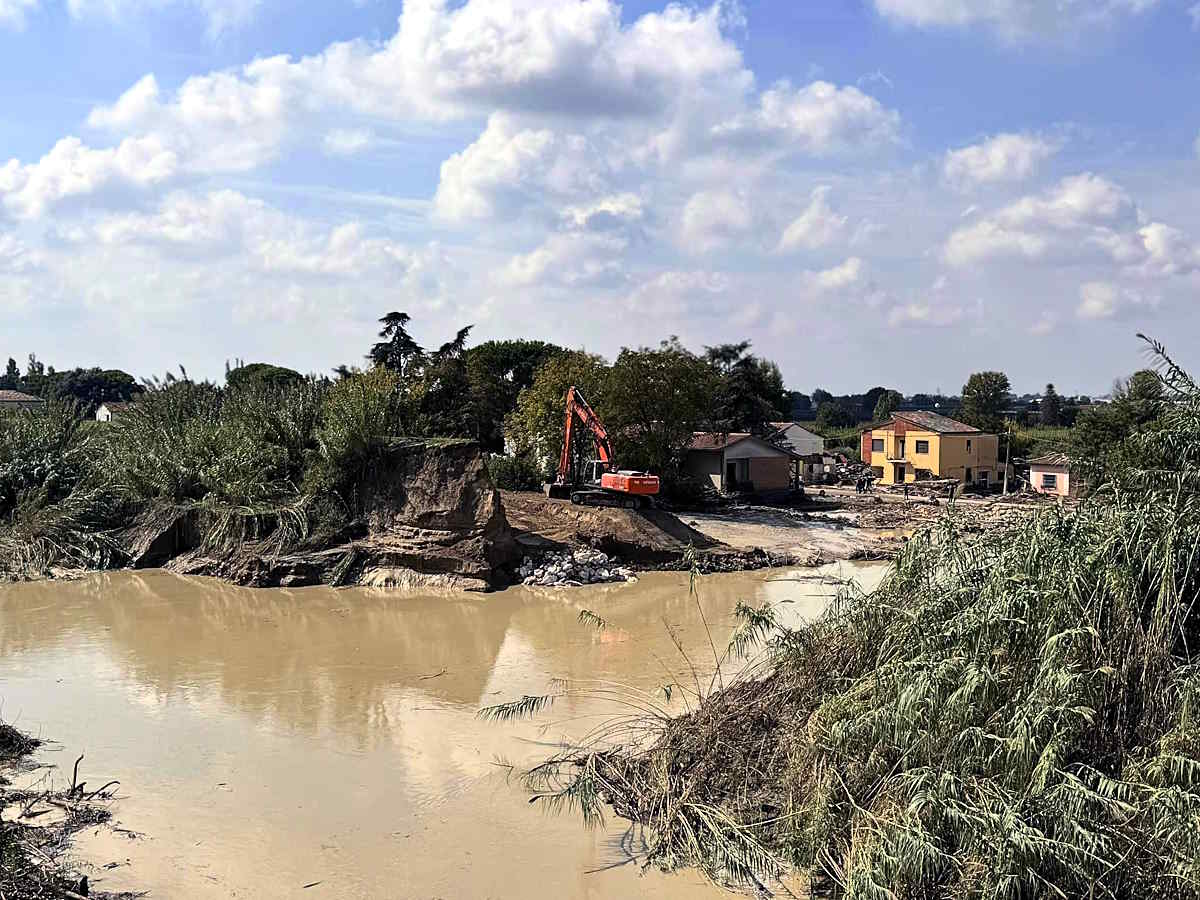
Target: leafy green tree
{"type": "Point", "coordinates": [12, 376]}
{"type": "Point", "coordinates": [497, 372]}
{"type": "Point", "coordinates": [802, 406]}
{"type": "Point", "coordinates": [655, 399]}
{"type": "Point", "coordinates": [1051, 407]}
{"type": "Point", "coordinates": [751, 393]}
{"type": "Point", "coordinates": [819, 396]}
{"type": "Point", "coordinates": [261, 375]}
{"type": "Point", "coordinates": [888, 403]}
{"type": "Point", "coordinates": [984, 398]}
{"type": "Point", "coordinates": [1100, 431]}
{"type": "Point", "coordinates": [835, 414]}
{"type": "Point", "coordinates": [535, 427]}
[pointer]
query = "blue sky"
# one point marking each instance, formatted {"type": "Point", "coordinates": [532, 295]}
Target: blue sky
{"type": "Point", "coordinates": [872, 191]}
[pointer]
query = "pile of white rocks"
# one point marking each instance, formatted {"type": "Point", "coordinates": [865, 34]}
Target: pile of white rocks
{"type": "Point", "coordinates": [571, 569]}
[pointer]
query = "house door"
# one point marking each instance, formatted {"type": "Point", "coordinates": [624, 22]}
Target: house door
{"type": "Point", "coordinates": [898, 473]}
{"type": "Point", "coordinates": [731, 476]}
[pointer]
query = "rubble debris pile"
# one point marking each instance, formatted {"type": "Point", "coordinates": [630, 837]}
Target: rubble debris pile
{"type": "Point", "coordinates": [572, 569]}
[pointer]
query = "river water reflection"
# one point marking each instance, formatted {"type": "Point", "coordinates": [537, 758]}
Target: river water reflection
{"type": "Point", "coordinates": [270, 739]}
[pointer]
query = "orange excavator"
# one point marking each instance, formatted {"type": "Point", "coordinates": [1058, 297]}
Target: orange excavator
{"type": "Point", "coordinates": [603, 484]}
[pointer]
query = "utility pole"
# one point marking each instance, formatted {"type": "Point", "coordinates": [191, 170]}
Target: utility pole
{"type": "Point", "coordinates": [1007, 455]}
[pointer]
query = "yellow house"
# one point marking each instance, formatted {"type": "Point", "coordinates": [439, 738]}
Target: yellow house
{"type": "Point", "coordinates": [916, 445]}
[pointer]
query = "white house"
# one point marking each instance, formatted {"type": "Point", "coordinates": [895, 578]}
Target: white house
{"type": "Point", "coordinates": [11, 400]}
{"type": "Point", "coordinates": [798, 439]}
{"type": "Point", "coordinates": [106, 412]}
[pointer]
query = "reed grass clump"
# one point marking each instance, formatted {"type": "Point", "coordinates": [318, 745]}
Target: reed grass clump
{"type": "Point", "coordinates": [263, 462]}
{"type": "Point", "coordinates": [1014, 714]}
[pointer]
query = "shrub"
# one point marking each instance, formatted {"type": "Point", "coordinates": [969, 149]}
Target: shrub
{"type": "Point", "coordinates": [515, 473]}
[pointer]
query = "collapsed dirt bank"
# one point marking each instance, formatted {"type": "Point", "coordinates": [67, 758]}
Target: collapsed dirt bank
{"type": "Point", "coordinates": [435, 520]}
{"type": "Point", "coordinates": [431, 517]}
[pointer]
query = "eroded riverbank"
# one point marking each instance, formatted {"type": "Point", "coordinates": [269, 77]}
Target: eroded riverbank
{"type": "Point", "coordinates": [272, 739]}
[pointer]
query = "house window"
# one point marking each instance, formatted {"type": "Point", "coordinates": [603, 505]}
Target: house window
{"type": "Point", "coordinates": [922, 446]}
{"type": "Point", "coordinates": [968, 445]}
{"type": "Point", "coordinates": [1050, 481]}
{"type": "Point", "coordinates": [876, 445]}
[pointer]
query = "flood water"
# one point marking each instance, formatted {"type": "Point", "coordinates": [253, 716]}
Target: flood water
{"type": "Point", "coordinates": [324, 743]}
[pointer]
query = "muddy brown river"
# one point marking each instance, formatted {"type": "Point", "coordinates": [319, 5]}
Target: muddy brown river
{"type": "Point", "coordinates": [324, 743]}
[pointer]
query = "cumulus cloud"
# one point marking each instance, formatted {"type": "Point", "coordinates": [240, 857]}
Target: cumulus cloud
{"type": "Point", "coordinates": [538, 57]}
{"type": "Point", "coordinates": [13, 12]}
{"type": "Point", "coordinates": [840, 276]}
{"type": "Point", "coordinates": [925, 315]}
{"type": "Point", "coordinates": [1004, 157]}
{"type": "Point", "coordinates": [1105, 300]}
{"type": "Point", "coordinates": [72, 169]}
{"type": "Point", "coordinates": [227, 223]}
{"type": "Point", "coordinates": [1082, 216]}
{"type": "Point", "coordinates": [818, 226]}
{"type": "Point", "coordinates": [818, 119]}
{"type": "Point", "coordinates": [510, 167]}
{"type": "Point", "coordinates": [714, 219]}
{"type": "Point", "coordinates": [1013, 19]}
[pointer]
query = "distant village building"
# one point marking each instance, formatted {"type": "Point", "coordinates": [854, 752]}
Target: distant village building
{"type": "Point", "coordinates": [13, 400]}
{"type": "Point", "coordinates": [798, 439]}
{"type": "Point", "coordinates": [1051, 474]}
{"type": "Point", "coordinates": [739, 462]}
{"type": "Point", "coordinates": [913, 446]}
{"type": "Point", "coordinates": [106, 412]}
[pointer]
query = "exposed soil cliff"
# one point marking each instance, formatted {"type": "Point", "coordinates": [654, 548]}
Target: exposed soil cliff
{"type": "Point", "coordinates": [433, 519]}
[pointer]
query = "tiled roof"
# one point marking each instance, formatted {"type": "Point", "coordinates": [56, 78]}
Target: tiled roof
{"type": "Point", "coordinates": [935, 422]}
{"type": "Point", "coordinates": [705, 440]}
{"type": "Point", "coordinates": [1051, 459]}
{"type": "Point", "coordinates": [18, 397]}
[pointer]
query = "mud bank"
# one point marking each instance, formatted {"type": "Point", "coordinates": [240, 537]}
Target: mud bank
{"type": "Point", "coordinates": [434, 520]}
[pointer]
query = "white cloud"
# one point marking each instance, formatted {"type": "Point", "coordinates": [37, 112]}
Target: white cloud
{"type": "Point", "coordinates": [509, 167]}
{"type": "Point", "coordinates": [13, 12]}
{"type": "Point", "coordinates": [1105, 300]}
{"type": "Point", "coordinates": [714, 219]}
{"type": "Point", "coordinates": [575, 259]}
{"type": "Point", "coordinates": [841, 276]}
{"type": "Point", "coordinates": [227, 224]}
{"type": "Point", "coordinates": [1081, 215]}
{"type": "Point", "coordinates": [818, 119]}
{"type": "Point", "coordinates": [818, 226]}
{"type": "Point", "coordinates": [680, 296]}
{"type": "Point", "coordinates": [1014, 19]}
{"type": "Point", "coordinates": [925, 315]}
{"type": "Point", "coordinates": [16, 257]}
{"type": "Point", "coordinates": [220, 15]}
{"type": "Point", "coordinates": [71, 169]}
{"type": "Point", "coordinates": [347, 141]}
{"type": "Point", "coordinates": [607, 213]}
{"type": "Point", "coordinates": [1004, 157]}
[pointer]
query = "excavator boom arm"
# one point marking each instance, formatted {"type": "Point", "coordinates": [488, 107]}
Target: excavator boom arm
{"type": "Point", "coordinates": [579, 409]}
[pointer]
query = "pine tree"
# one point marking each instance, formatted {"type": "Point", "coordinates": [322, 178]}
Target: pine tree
{"type": "Point", "coordinates": [1051, 412]}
